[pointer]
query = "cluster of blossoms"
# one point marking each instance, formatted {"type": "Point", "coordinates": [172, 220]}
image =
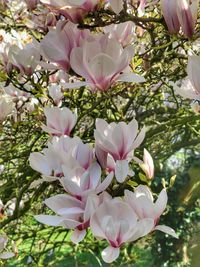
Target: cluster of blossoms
{"type": "Point", "coordinates": [80, 168]}
{"type": "Point", "coordinates": [93, 178]}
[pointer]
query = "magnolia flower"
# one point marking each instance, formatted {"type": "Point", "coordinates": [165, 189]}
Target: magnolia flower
{"type": "Point", "coordinates": [7, 41]}
{"type": "Point", "coordinates": [147, 164]}
{"type": "Point", "coordinates": [116, 222]}
{"type": "Point", "coordinates": [6, 107]}
{"type": "Point", "coordinates": [4, 254]}
{"type": "Point", "coordinates": [141, 201]}
{"type": "Point", "coordinates": [124, 32]}
{"type": "Point", "coordinates": [74, 10]}
{"type": "Point", "coordinates": [81, 185]}
{"type": "Point", "coordinates": [58, 43]}
{"type": "Point", "coordinates": [60, 121]}
{"type": "Point", "coordinates": [180, 13]}
{"type": "Point", "coordinates": [102, 62]}
{"type": "Point", "coordinates": [191, 85]}
{"type": "Point", "coordinates": [115, 143]}
{"type": "Point", "coordinates": [25, 59]}
{"type": "Point", "coordinates": [64, 151]}
{"type": "Point", "coordinates": [71, 214]}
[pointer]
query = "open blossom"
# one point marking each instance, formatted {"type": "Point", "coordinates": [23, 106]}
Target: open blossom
{"type": "Point", "coordinates": [72, 213]}
{"type": "Point", "coordinates": [25, 59]}
{"type": "Point", "coordinates": [180, 13]}
{"type": "Point", "coordinates": [60, 121]}
{"type": "Point", "coordinates": [102, 62]}
{"type": "Point", "coordinates": [74, 10]}
{"type": "Point", "coordinates": [115, 143]}
{"type": "Point", "coordinates": [6, 107]}
{"type": "Point", "coordinates": [9, 40]}
{"type": "Point", "coordinates": [124, 32]}
{"type": "Point", "coordinates": [190, 87]}
{"type": "Point", "coordinates": [64, 151]}
{"type": "Point", "coordinates": [5, 254]}
{"type": "Point", "coordinates": [57, 45]}
{"type": "Point", "coordinates": [142, 203]}
{"type": "Point", "coordinates": [115, 221]}
{"type": "Point", "coordinates": [83, 184]}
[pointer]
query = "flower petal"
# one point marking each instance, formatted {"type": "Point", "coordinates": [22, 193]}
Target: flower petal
{"type": "Point", "coordinates": [167, 230]}
{"type": "Point", "coordinates": [131, 77]}
{"type": "Point", "coordinates": [121, 170]}
{"type": "Point", "coordinates": [110, 254]}
{"type": "Point", "coordinates": [77, 236]}
{"type": "Point", "coordinates": [49, 219]}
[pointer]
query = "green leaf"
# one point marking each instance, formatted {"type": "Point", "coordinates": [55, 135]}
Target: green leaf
{"type": "Point", "coordinates": [132, 183]}
{"type": "Point", "coordinates": [143, 178]}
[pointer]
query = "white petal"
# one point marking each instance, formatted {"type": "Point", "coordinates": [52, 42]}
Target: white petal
{"type": "Point", "coordinates": [121, 170]}
{"type": "Point", "coordinates": [39, 163]}
{"type": "Point", "coordinates": [77, 236]}
{"type": "Point", "coordinates": [143, 227]}
{"type": "Point", "coordinates": [110, 254]}
{"type": "Point", "coordinates": [161, 203]}
{"type": "Point", "coordinates": [106, 182]}
{"type": "Point", "coordinates": [49, 219]}
{"type": "Point", "coordinates": [7, 255]}
{"type": "Point", "coordinates": [91, 206]}
{"type": "Point", "coordinates": [75, 85]}
{"type": "Point", "coordinates": [139, 138]}
{"type": "Point", "coordinates": [167, 230]}
{"type": "Point", "coordinates": [102, 66]}
{"type": "Point", "coordinates": [131, 77]}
